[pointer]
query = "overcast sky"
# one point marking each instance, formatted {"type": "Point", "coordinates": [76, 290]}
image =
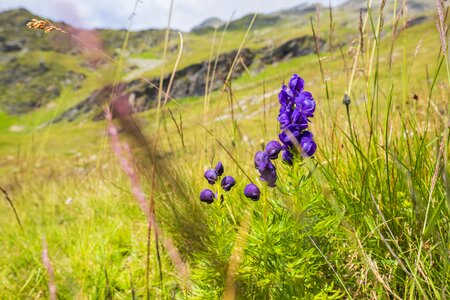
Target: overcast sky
{"type": "Point", "coordinates": [150, 13]}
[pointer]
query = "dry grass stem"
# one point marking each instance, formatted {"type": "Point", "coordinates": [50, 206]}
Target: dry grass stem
{"type": "Point", "coordinates": [48, 266]}
{"type": "Point", "coordinates": [123, 153]}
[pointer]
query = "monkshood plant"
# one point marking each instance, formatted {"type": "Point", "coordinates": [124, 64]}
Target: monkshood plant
{"type": "Point", "coordinates": [297, 107]}
{"type": "Point", "coordinates": [281, 260]}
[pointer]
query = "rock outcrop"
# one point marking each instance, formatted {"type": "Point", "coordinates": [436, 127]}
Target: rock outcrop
{"type": "Point", "coordinates": [136, 96]}
{"type": "Point", "coordinates": [33, 84]}
{"type": "Point", "coordinates": [303, 45]}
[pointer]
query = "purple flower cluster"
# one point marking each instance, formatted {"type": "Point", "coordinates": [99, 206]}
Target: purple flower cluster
{"type": "Point", "coordinates": [297, 106]}
{"type": "Point", "coordinates": [267, 170]}
{"type": "Point", "coordinates": [263, 162]}
{"type": "Point", "coordinates": [212, 175]}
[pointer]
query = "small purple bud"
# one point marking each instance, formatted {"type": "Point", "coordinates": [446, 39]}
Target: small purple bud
{"type": "Point", "coordinates": [207, 196]}
{"type": "Point", "coordinates": [252, 191]}
{"type": "Point", "coordinates": [299, 118]}
{"type": "Point", "coordinates": [291, 135]}
{"type": "Point", "coordinates": [211, 176]}
{"type": "Point", "coordinates": [287, 156]}
{"type": "Point", "coordinates": [269, 175]}
{"type": "Point", "coordinates": [272, 181]}
{"type": "Point", "coordinates": [296, 83]}
{"type": "Point", "coordinates": [284, 120]}
{"type": "Point", "coordinates": [272, 149]}
{"type": "Point", "coordinates": [261, 160]}
{"type": "Point", "coordinates": [305, 103]}
{"type": "Point", "coordinates": [285, 97]}
{"type": "Point", "coordinates": [286, 110]}
{"type": "Point", "coordinates": [307, 143]}
{"type": "Point", "coordinates": [227, 183]}
{"type": "Point", "coordinates": [219, 169]}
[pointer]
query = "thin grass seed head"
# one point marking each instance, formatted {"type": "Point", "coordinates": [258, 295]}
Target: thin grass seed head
{"type": "Point", "coordinates": [346, 100]}
{"type": "Point", "coordinates": [44, 25]}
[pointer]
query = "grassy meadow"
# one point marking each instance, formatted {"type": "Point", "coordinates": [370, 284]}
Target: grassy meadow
{"type": "Point", "coordinates": [368, 217]}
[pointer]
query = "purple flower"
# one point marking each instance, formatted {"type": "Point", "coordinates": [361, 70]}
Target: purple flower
{"type": "Point", "coordinates": [286, 110]}
{"type": "Point", "coordinates": [307, 143]}
{"type": "Point", "coordinates": [272, 149]}
{"type": "Point", "coordinates": [284, 120]}
{"type": "Point", "coordinates": [296, 83]}
{"type": "Point", "coordinates": [291, 135]}
{"type": "Point", "coordinates": [271, 181]}
{"type": "Point", "coordinates": [219, 169]}
{"type": "Point", "coordinates": [261, 160]}
{"type": "Point", "coordinates": [305, 103]}
{"type": "Point", "coordinates": [285, 96]}
{"type": "Point", "coordinates": [207, 196]}
{"type": "Point", "coordinates": [264, 165]}
{"type": "Point", "coordinates": [299, 119]}
{"type": "Point", "coordinates": [269, 175]}
{"type": "Point", "coordinates": [227, 183]}
{"type": "Point", "coordinates": [252, 191]}
{"type": "Point", "coordinates": [211, 176]}
{"type": "Point", "coordinates": [287, 156]}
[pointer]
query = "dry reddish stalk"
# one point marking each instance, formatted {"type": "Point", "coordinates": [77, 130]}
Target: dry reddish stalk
{"type": "Point", "coordinates": [49, 268]}
{"type": "Point", "coordinates": [123, 153]}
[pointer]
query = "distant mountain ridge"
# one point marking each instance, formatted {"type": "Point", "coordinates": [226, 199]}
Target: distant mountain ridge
{"type": "Point", "coordinates": [32, 75]}
{"type": "Point", "coordinates": [37, 68]}
{"type": "Point", "coordinates": [414, 6]}
{"type": "Point", "coordinates": [208, 23]}
{"type": "Point", "coordinates": [270, 19]}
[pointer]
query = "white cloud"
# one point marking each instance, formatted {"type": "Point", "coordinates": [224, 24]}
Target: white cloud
{"type": "Point", "coordinates": [150, 13]}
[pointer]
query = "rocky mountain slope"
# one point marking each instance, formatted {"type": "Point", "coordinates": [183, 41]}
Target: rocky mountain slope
{"type": "Point", "coordinates": [37, 69]}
